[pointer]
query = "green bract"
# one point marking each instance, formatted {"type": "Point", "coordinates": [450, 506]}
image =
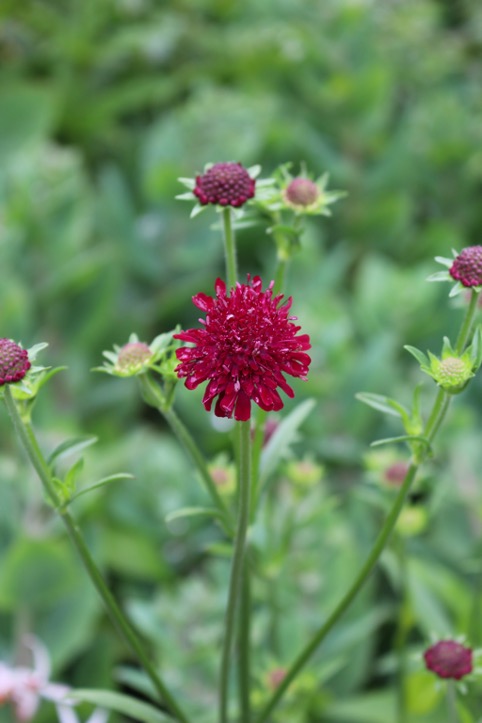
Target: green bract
{"type": "Point", "coordinates": [451, 371]}
{"type": "Point", "coordinates": [301, 194]}
{"type": "Point", "coordinates": [137, 357]}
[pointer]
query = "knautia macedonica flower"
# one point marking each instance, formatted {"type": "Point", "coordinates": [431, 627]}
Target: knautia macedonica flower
{"type": "Point", "coordinates": [452, 371]}
{"type": "Point", "coordinates": [221, 184]}
{"type": "Point", "coordinates": [449, 659]}
{"type": "Point", "coordinates": [14, 362]}
{"type": "Point", "coordinates": [300, 194]}
{"type": "Point", "coordinates": [467, 266]}
{"type": "Point", "coordinates": [247, 344]}
{"type": "Point", "coordinates": [464, 268]}
{"type": "Point", "coordinates": [137, 357]}
{"type": "Point", "coordinates": [225, 184]}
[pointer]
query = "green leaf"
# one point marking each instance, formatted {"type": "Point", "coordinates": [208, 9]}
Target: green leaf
{"type": "Point", "coordinates": [101, 483]}
{"type": "Point", "coordinates": [402, 438]}
{"type": "Point", "coordinates": [70, 480]}
{"type": "Point", "coordinates": [71, 446]}
{"type": "Point", "coordinates": [139, 711]}
{"type": "Point", "coordinates": [419, 355]}
{"type": "Point", "coordinates": [284, 436]}
{"type": "Point", "coordinates": [193, 512]}
{"type": "Point", "coordinates": [382, 403]}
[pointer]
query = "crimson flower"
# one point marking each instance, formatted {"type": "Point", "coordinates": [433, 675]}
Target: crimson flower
{"type": "Point", "coordinates": [225, 184]}
{"type": "Point", "coordinates": [247, 344]}
{"type": "Point", "coordinates": [467, 266]}
{"type": "Point", "coordinates": [14, 362]}
{"type": "Point", "coordinates": [449, 659]}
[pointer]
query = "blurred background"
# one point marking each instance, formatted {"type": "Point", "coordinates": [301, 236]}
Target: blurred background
{"type": "Point", "coordinates": [103, 105]}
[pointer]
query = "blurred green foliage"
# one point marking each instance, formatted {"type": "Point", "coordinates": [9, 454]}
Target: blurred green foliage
{"type": "Point", "coordinates": [103, 105]}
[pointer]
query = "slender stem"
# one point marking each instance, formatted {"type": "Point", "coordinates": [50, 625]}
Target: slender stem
{"type": "Point", "coordinates": [230, 249]}
{"type": "Point", "coordinates": [466, 328]}
{"type": "Point", "coordinates": [258, 439]}
{"type": "Point", "coordinates": [435, 419]}
{"type": "Point", "coordinates": [452, 702]}
{"type": "Point", "coordinates": [401, 632]}
{"type": "Point", "coordinates": [357, 584]}
{"type": "Point", "coordinates": [237, 569]}
{"type": "Point", "coordinates": [244, 636]}
{"type": "Point", "coordinates": [30, 444]}
{"type": "Point", "coordinates": [280, 274]}
{"type": "Point", "coordinates": [153, 394]}
{"type": "Point", "coordinates": [193, 450]}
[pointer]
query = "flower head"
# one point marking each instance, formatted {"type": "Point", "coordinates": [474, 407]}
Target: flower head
{"type": "Point", "coordinates": [449, 659]}
{"type": "Point", "coordinates": [246, 346]}
{"type": "Point", "coordinates": [136, 357]}
{"type": "Point", "coordinates": [467, 267]}
{"type": "Point", "coordinates": [14, 362]}
{"type": "Point", "coordinates": [133, 357]}
{"type": "Point", "coordinates": [224, 184]}
{"type": "Point", "coordinates": [301, 193]}
{"type": "Point", "coordinates": [452, 371]}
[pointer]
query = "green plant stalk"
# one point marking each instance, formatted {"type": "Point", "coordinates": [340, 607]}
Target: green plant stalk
{"type": "Point", "coordinates": [435, 419]}
{"type": "Point", "coordinates": [30, 444]}
{"type": "Point", "coordinates": [187, 442]}
{"type": "Point", "coordinates": [401, 633]}
{"type": "Point", "coordinates": [257, 448]}
{"type": "Point", "coordinates": [280, 274]}
{"type": "Point", "coordinates": [236, 578]}
{"type": "Point", "coordinates": [466, 329]}
{"type": "Point", "coordinates": [244, 639]}
{"type": "Point", "coordinates": [230, 249]}
{"type": "Point", "coordinates": [452, 702]}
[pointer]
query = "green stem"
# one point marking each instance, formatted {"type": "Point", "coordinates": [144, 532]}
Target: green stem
{"type": "Point", "coordinates": [280, 274]}
{"type": "Point", "coordinates": [30, 444]}
{"type": "Point", "coordinates": [191, 447]}
{"type": "Point", "coordinates": [438, 413]}
{"type": "Point", "coordinates": [258, 439]}
{"type": "Point", "coordinates": [466, 328]}
{"type": "Point", "coordinates": [244, 637]}
{"type": "Point", "coordinates": [344, 603]}
{"type": "Point", "coordinates": [230, 249]}
{"type": "Point", "coordinates": [452, 702]}
{"type": "Point", "coordinates": [237, 570]}
{"type": "Point", "coordinates": [401, 633]}
{"type": "Point", "coordinates": [153, 394]}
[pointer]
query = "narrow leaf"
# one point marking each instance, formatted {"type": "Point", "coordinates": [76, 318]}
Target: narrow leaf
{"type": "Point", "coordinates": [139, 711]}
{"type": "Point", "coordinates": [101, 483]}
{"type": "Point", "coordinates": [402, 438]}
{"type": "Point", "coordinates": [71, 446]}
{"type": "Point", "coordinates": [382, 403]}
{"type": "Point", "coordinates": [283, 437]}
{"type": "Point", "coordinates": [193, 512]}
{"type": "Point", "coordinates": [419, 355]}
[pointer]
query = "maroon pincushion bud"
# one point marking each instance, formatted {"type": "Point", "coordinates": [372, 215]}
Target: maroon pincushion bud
{"type": "Point", "coordinates": [14, 363]}
{"type": "Point", "coordinates": [467, 266]}
{"type": "Point", "coordinates": [225, 184]}
{"type": "Point", "coordinates": [133, 355]}
{"type": "Point", "coordinates": [395, 474]}
{"type": "Point", "coordinates": [302, 192]}
{"type": "Point", "coordinates": [449, 659]}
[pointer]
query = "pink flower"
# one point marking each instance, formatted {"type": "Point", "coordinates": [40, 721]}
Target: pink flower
{"type": "Point", "coordinates": [246, 346]}
{"type": "Point", "coordinates": [24, 687]}
{"type": "Point", "coordinates": [225, 184]}
{"type": "Point", "coordinates": [14, 362]}
{"type": "Point", "coordinates": [467, 266]}
{"type": "Point", "coordinates": [449, 659]}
